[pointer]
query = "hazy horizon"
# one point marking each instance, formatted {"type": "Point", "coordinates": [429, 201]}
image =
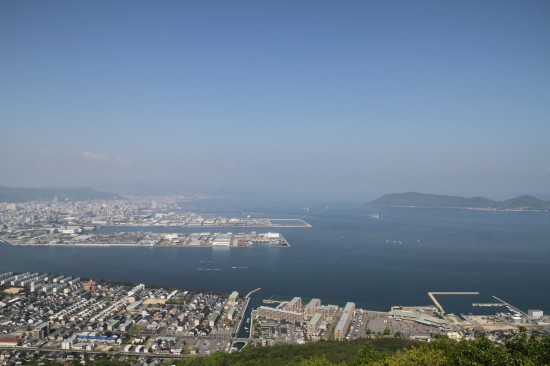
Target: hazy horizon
{"type": "Point", "coordinates": [345, 100]}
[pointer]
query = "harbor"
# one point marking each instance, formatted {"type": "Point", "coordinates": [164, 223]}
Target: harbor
{"type": "Point", "coordinates": [438, 305]}
{"type": "Point", "coordinates": [146, 239]}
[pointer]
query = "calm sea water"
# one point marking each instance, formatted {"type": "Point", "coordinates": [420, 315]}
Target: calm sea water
{"type": "Point", "coordinates": [345, 256]}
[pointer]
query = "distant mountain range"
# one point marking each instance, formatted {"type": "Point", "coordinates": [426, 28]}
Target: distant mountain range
{"type": "Point", "coordinates": [13, 194]}
{"type": "Point", "coordinates": [413, 199]}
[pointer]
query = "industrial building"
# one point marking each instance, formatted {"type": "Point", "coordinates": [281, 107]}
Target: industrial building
{"type": "Point", "coordinates": [420, 318]}
{"type": "Point", "coordinates": [222, 240]}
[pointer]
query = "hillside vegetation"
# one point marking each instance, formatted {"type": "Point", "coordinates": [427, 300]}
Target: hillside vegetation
{"type": "Point", "coordinates": [519, 349]}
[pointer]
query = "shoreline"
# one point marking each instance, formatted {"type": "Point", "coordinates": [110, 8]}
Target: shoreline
{"type": "Point", "coordinates": [273, 225]}
{"type": "Point", "coordinates": [137, 245]}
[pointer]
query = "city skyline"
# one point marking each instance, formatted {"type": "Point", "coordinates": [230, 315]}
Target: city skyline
{"type": "Point", "coordinates": [343, 100]}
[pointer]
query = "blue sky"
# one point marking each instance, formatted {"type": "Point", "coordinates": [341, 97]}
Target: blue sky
{"type": "Point", "coordinates": [331, 98]}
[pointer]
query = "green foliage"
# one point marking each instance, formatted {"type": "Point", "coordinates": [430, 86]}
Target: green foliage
{"type": "Point", "coordinates": [422, 356]}
{"type": "Point", "coordinates": [322, 352]}
{"type": "Point", "coordinates": [366, 356]}
{"type": "Point", "coordinates": [316, 361]}
{"type": "Point", "coordinates": [519, 349]}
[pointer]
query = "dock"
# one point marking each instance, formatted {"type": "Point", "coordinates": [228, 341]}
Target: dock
{"type": "Point", "coordinates": [438, 305]}
{"type": "Point", "coordinates": [513, 308]}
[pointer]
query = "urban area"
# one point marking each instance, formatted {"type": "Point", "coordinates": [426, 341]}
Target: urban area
{"type": "Point", "coordinates": [80, 223]}
{"type": "Point", "coordinates": [56, 318]}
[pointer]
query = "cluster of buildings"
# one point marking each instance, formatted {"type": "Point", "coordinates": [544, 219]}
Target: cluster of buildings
{"type": "Point", "coordinates": [313, 317]}
{"type": "Point", "coordinates": [55, 317]}
{"type": "Point", "coordinates": [79, 223]}
{"type": "Point", "coordinates": [77, 236]}
{"type": "Point", "coordinates": [71, 215]}
{"type": "Point", "coordinates": [292, 321]}
{"type": "Point", "coordinates": [50, 313]}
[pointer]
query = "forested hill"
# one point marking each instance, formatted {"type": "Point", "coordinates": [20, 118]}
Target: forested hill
{"type": "Point", "coordinates": [414, 199]}
{"type": "Point", "coordinates": [14, 194]}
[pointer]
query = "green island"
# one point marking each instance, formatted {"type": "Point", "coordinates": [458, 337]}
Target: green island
{"type": "Point", "coordinates": [424, 200]}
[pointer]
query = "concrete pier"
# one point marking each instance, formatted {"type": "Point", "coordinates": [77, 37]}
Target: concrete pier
{"type": "Point", "coordinates": [510, 306]}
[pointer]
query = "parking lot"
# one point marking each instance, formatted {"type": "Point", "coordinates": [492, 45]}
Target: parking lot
{"type": "Point", "coordinates": [374, 323]}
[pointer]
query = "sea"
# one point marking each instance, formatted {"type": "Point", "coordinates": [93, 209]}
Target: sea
{"type": "Point", "coordinates": [375, 257]}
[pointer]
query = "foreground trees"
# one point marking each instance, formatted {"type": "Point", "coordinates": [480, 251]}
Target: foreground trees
{"type": "Point", "coordinates": [519, 349]}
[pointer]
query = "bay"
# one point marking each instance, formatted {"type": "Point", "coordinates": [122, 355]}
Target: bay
{"type": "Point", "coordinates": [346, 256]}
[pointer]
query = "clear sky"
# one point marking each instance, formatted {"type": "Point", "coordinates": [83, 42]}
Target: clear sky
{"type": "Point", "coordinates": [338, 98]}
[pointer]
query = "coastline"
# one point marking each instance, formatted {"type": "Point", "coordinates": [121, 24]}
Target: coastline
{"type": "Point", "coordinates": [137, 245]}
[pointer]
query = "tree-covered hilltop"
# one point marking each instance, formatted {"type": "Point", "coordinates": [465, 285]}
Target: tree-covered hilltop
{"type": "Point", "coordinates": [519, 349]}
{"type": "Point", "coordinates": [414, 199]}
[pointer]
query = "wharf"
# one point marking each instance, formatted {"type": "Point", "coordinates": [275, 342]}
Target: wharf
{"type": "Point", "coordinates": [513, 308]}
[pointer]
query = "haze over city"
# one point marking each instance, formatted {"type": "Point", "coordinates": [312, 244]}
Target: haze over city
{"type": "Point", "coordinates": [329, 99]}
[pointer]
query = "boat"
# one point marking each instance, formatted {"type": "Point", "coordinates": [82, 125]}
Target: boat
{"type": "Point", "coordinates": [247, 320]}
